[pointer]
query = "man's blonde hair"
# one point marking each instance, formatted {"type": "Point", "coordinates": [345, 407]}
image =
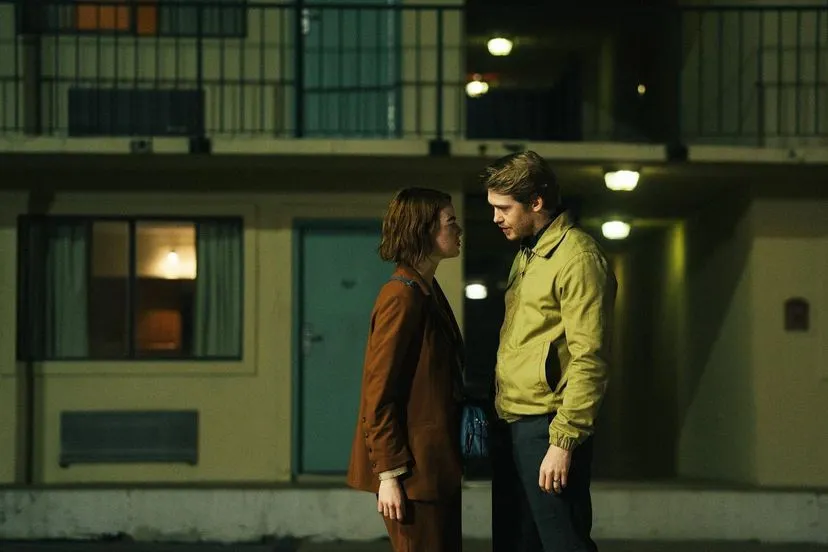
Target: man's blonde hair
{"type": "Point", "coordinates": [523, 176]}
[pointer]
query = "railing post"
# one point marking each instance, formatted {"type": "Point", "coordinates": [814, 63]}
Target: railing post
{"type": "Point", "coordinates": [760, 84]}
{"type": "Point", "coordinates": [31, 19]}
{"type": "Point", "coordinates": [200, 63]}
{"type": "Point", "coordinates": [299, 70]}
{"type": "Point", "coordinates": [200, 143]}
{"type": "Point", "coordinates": [673, 67]}
{"type": "Point", "coordinates": [439, 146]}
{"type": "Point", "coordinates": [678, 65]}
{"type": "Point", "coordinates": [200, 48]}
{"type": "Point", "coordinates": [440, 71]}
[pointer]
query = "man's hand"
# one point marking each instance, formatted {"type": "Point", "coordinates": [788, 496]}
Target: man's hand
{"type": "Point", "coordinates": [554, 469]}
{"type": "Point", "coordinates": [390, 500]}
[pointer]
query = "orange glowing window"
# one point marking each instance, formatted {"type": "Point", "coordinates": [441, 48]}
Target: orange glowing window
{"type": "Point", "coordinates": [97, 17]}
{"type": "Point", "coordinates": [103, 16]}
{"type": "Point", "coordinates": [146, 20]}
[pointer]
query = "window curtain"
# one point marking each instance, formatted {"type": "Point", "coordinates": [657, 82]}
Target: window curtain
{"type": "Point", "coordinates": [67, 279]}
{"type": "Point", "coordinates": [218, 301]}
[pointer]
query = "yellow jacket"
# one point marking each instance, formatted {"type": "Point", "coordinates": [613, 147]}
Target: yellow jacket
{"type": "Point", "coordinates": [554, 342]}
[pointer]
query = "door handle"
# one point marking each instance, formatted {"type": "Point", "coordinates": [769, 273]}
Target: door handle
{"type": "Point", "coordinates": [309, 338]}
{"type": "Point", "coordinates": [307, 17]}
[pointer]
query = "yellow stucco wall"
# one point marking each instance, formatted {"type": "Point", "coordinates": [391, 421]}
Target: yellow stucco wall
{"type": "Point", "coordinates": [10, 206]}
{"type": "Point", "coordinates": [245, 407]}
{"type": "Point", "coordinates": [790, 259]}
{"type": "Point", "coordinates": [753, 395]}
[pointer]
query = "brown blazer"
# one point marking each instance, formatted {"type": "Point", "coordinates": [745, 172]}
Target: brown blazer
{"type": "Point", "coordinates": [409, 412]}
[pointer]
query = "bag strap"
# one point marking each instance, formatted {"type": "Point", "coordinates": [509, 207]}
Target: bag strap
{"type": "Point", "coordinates": [407, 281]}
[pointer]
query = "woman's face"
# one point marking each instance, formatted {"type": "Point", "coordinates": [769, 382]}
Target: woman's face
{"type": "Point", "coordinates": [447, 238]}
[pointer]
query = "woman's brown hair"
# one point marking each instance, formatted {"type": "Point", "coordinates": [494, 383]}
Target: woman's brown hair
{"type": "Point", "coordinates": [409, 225]}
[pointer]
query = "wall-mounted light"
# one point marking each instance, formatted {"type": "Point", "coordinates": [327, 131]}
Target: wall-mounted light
{"type": "Point", "coordinates": [615, 230]}
{"type": "Point", "coordinates": [172, 265]}
{"type": "Point", "coordinates": [621, 181]}
{"type": "Point", "coordinates": [642, 89]}
{"type": "Point", "coordinates": [476, 87]}
{"type": "Point", "coordinates": [499, 46]}
{"type": "Point", "coordinates": [476, 291]}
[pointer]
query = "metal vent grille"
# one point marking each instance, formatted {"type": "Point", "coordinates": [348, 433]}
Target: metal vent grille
{"type": "Point", "coordinates": [128, 436]}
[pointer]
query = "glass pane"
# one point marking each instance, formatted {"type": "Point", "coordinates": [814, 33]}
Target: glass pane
{"type": "Point", "coordinates": [109, 290]}
{"type": "Point", "coordinates": [164, 288]}
{"type": "Point", "coordinates": [94, 17]}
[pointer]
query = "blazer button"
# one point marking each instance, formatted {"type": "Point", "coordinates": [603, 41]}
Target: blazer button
{"type": "Point", "coordinates": [363, 420]}
{"type": "Point", "coordinates": [374, 465]}
{"type": "Point", "coordinates": [366, 434]}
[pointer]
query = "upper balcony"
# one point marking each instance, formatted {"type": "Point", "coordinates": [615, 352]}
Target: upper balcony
{"type": "Point", "coordinates": [725, 75]}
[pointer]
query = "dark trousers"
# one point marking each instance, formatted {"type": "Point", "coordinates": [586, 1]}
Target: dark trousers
{"type": "Point", "coordinates": [525, 518]}
{"type": "Point", "coordinates": [428, 527]}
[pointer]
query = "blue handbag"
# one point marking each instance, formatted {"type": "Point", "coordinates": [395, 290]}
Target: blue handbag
{"type": "Point", "coordinates": [474, 425]}
{"type": "Point", "coordinates": [474, 433]}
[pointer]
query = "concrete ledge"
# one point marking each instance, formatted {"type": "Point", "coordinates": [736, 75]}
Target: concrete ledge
{"type": "Point", "coordinates": [611, 153]}
{"type": "Point", "coordinates": [19, 143]}
{"type": "Point", "coordinates": [794, 155]}
{"type": "Point", "coordinates": [244, 515]}
{"type": "Point", "coordinates": [572, 151]}
{"type": "Point", "coordinates": [313, 146]}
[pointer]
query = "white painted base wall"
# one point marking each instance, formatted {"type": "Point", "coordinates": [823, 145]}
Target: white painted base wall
{"type": "Point", "coordinates": [239, 515]}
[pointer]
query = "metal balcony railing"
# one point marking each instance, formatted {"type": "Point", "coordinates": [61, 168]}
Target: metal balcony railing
{"type": "Point", "coordinates": [748, 75]}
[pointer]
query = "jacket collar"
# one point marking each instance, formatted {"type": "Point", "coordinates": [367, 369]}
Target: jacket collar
{"type": "Point", "coordinates": [440, 298]}
{"type": "Point", "coordinates": [407, 272]}
{"type": "Point", "coordinates": [551, 237]}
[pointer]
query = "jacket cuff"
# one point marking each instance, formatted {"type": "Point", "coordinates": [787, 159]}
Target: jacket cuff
{"type": "Point", "coordinates": [380, 465]}
{"type": "Point", "coordinates": [562, 441]}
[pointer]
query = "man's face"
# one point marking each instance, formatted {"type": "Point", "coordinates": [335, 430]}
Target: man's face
{"type": "Point", "coordinates": [515, 220]}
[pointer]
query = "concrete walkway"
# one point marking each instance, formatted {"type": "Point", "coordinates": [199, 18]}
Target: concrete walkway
{"type": "Point", "coordinates": [382, 546]}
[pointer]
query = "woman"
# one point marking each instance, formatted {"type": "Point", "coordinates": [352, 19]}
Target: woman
{"type": "Point", "coordinates": [407, 449]}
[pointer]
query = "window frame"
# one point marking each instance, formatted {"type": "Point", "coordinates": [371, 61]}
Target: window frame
{"type": "Point", "coordinates": [25, 314]}
{"type": "Point", "coordinates": [38, 23]}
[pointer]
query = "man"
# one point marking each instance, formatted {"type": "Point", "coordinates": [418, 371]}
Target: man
{"type": "Point", "coordinates": [551, 369]}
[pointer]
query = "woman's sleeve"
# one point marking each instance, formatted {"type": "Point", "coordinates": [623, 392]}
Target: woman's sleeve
{"type": "Point", "coordinates": [396, 324]}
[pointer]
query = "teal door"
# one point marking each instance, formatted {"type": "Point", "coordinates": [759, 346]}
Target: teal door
{"type": "Point", "coordinates": [352, 69]}
{"type": "Point", "coordinates": [340, 275]}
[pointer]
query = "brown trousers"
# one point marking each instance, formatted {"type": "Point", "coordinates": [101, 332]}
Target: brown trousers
{"type": "Point", "coordinates": [428, 527]}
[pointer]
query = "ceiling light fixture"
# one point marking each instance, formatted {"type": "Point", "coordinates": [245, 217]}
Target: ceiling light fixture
{"type": "Point", "coordinates": [499, 46]}
{"type": "Point", "coordinates": [615, 230]}
{"type": "Point", "coordinates": [476, 87]}
{"type": "Point", "coordinates": [621, 181]}
{"type": "Point", "coordinates": [476, 291]}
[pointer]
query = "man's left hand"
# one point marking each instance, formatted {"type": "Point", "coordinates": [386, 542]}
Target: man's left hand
{"type": "Point", "coordinates": [554, 469]}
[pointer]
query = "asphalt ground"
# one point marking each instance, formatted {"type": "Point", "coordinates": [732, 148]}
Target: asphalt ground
{"type": "Point", "coordinates": [289, 545]}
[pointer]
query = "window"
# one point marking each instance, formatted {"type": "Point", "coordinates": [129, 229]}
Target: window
{"type": "Point", "coordinates": [93, 17]}
{"type": "Point", "coordinates": [121, 289]}
{"type": "Point", "coordinates": [176, 18]}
